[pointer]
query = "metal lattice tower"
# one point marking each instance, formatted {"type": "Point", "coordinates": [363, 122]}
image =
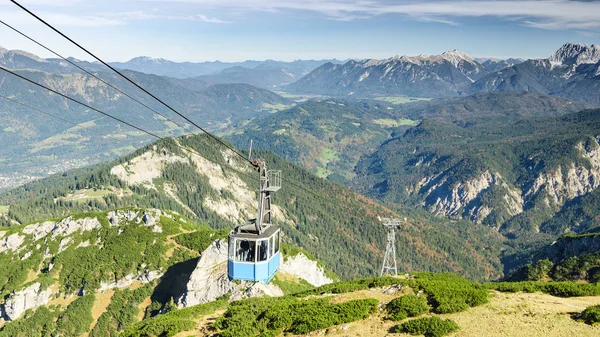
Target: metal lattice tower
{"type": "Point", "coordinates": [390, 266]}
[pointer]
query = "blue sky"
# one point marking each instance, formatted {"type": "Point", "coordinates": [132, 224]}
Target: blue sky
{"type": "Point", "coordinates": [236, 30]}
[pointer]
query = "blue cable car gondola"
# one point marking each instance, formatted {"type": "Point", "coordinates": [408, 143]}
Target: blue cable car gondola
{"type": "Point", "coordinates": [254, 248]}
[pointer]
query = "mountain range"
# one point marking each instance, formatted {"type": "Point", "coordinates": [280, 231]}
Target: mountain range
{"type": "Point", "coordinates": [417, 76]}
{"type": "Point", "coordinates": [572, 71]}
{"type": "Point", "coordinates": [162, 67]}
{"type": "Point", "coordinates": [267, 74]}
{"type": "Point", "coordinates": [38, 143]}
{"type": "Point", "coordinates": [485, 185]}
{"type": "Point", "coordinates": [494, 64]}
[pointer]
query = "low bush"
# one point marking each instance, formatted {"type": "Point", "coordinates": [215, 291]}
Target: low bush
{"type": "Point", "coordinates": [273, 316]}
{"type": "Point", "coordinates": [350, 286]}
{"type": "Point", "coordinates": [201, 239]}
{"type": "Point", "coordinates": [38, 323]}
{"type": "Point", "coordinates": [293, 286]}
{"type": "Point", "coordinates": [169, 225]}
{"type": "Point", "coordinates": [121, 312]}
{"type": "Point", "coordinates": [450, 293]}
{"type": "Point", "coordinates": [174, 321]}
{"type": "Point", "coordinates": [124, 250]}
{"type": "Point", "coordinates": [559, 289]}
{"type": "Point", "coordinates": [591, 315]}
{"type": "Point", "coordinates": [77, 318]}
{"type": "Point", "coordinates": [428, 326]}
{"type": "Point", "coordinates": [407, 306]}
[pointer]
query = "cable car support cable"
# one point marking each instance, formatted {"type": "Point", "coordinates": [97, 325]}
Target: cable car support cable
{"type": "Point", "coordinates": [91, 74]}
{"type": "Point", "coordinates": [131, 81]}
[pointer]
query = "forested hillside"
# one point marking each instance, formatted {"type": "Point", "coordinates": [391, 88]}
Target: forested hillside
{"type": "Point", "coordinates": [61, 135]}
{"type": "Point", "coordinates": [101, 272]}
{"type": "Point", "coordinates": [496, 107]}
{"type": "Point", "coordinates": [525, 178]}
{"type": "Point", "coordinates": [328, 220]}
{"type": "Point", "coordinates": [328, 136]}
{"type": "Point", "coordinates": [325, 136]}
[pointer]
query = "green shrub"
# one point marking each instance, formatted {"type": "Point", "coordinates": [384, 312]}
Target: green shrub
{"type": "Point", "coordinates": [121, 312]}
{"type": "Point", "coordinates": [169, 225]}
{"type": "Point", "coordinates": [200, 240]}
{"type": "Point", "coordinates": [124, 250]}
{"type": "Point", "coordinates": [38, 323]}
{"type": "Point", "coordinates": [428, 326]}
{"type": "Point", "coordinates": [591, 315]}
{"type": "Point", "coordinates": [173, 322]}
{"type": "Point", "coordinates": [350, 286]}
{"type": "Point", "coordinates": [77, 318]}
{"type": "Point", "coordinates": [290, 287]}
{"type": "Point", "coordinates": [560, 289]}
{"type": "Point", "coordinates": [450, 293]}
{"type": "Point", "coordinates": [407, 306]}
{"type": "Point", "coordinates": [273, 316]}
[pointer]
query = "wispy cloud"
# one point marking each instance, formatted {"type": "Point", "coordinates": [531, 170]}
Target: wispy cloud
{"type": "Point", "coordinates": [544, 14]}
{"type": "Point", "coordinates": [204, 18]}
{"type": "Point", "coordinates": [125, 17]}
{"type": "Point", "coordinates": [49, 3]}
{"type": "Point", "coordinates": [65, 20]}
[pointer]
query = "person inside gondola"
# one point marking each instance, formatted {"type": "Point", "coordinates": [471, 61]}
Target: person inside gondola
{"type": "Point", "coordinates": [251, 254]}
{"type": "Point", "coordinates": [263, 250]}
{"type": "Point", "coordinates": [243, 249]}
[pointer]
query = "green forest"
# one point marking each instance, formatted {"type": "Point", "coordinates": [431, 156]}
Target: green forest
{"type": "Point", "coordinates": [328, 220]}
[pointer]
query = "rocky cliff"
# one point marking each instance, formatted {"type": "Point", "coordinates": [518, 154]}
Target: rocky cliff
{"type": "Point", "coordinates": [512, 177]}
{"type": "Point", "coordinates": [48, 259]}
{"type": "Point", "coordinates": [209, 279]}
{"type": "Point", "coordinates": [570, 246]}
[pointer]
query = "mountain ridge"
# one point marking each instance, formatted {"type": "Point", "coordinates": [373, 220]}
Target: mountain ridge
{"type": "Point", "coordinates": [572, 71]}
{"type": "Point", "coordinates": [225, 197]}
{"type": "Point", "coordinates": [91, 137]}
{"type": "Point", "coordinates": [417, 76]}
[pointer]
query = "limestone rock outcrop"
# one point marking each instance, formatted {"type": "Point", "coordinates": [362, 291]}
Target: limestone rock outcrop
{"type": "Point", "coordinates": [20, 301]}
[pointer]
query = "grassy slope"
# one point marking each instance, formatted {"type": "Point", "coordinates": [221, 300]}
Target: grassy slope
{"type": "Point", "coordinates": [504, 315]}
